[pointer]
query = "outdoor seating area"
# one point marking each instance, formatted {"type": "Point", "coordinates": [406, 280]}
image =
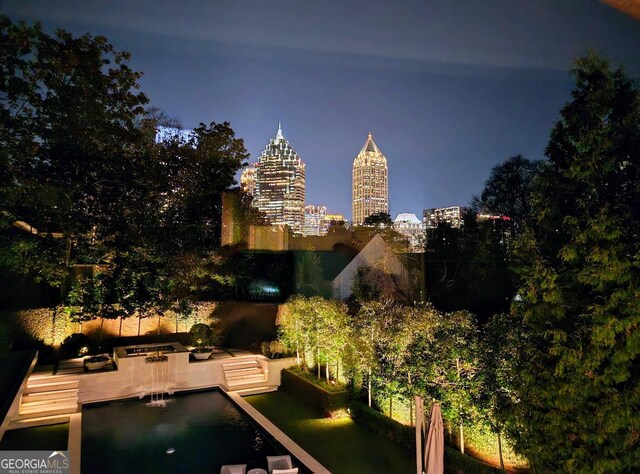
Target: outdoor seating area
{"type": "Point", "coordinates": [275, 465]}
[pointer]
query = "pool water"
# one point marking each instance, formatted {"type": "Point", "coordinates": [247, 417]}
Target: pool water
{"type": "Point", "coordinates": [195, 433]}
{"type": "Point", "coordinates": [41, 438]}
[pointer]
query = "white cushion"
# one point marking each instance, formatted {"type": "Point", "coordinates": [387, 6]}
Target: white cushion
{"type": "Point", "coordinates": [293, 470]}
{"type": "Point", "coordinates": [279, 462]}
{"type": "Point", "coordinates": [233, 469]}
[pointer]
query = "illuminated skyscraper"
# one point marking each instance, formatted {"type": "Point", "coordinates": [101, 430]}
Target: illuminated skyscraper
{"type": "Point", "coordinates": [280, 184]}
{"type": "Point", "coordinates": [248, 179]}
{"type": "Point", "coordinates": [314, 223]}
{"type": "Point", "coordinates": [370, 182]}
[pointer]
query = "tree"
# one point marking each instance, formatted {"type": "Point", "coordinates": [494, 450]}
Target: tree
{"type": "Point", "coordinates": [579, 395]}
{"type": "Point", "coordinates": [316, 328]}
{"type": "Point", "coordinates": [501, 357]}
{"type": "Point", "coordinates": [378, 219]}
{"type": "Point", "coordinates": [467, 268]}
{"type": "Point", "coordinates": [293, 331]}
{"type": "Point", "coordinates": [67, 126]}
{"type": "Point", "coordinates": [192, 174]}
{"type": "Point", "coordinates": [507, 192]}
{"type": "Point", "coordinates": [80, 163]}
{"type": "Point", "coordinates": [446, 366]}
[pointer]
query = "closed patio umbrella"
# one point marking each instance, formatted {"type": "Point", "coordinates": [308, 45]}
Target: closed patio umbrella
{"type": "Point", "coordinates": [434, 446]}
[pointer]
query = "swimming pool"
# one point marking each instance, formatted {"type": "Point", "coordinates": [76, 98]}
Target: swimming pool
{"type": "Point", "coordinates": [197, 432]}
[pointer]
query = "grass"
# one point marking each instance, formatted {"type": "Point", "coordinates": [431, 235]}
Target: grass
{"type": "Point", "coordinates": [340, 444]}
{"type": "Point", "coordinates": [42, 438]}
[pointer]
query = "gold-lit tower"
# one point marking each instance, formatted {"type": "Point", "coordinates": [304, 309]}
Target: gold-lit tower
{"type": "Point", "coordinates": [370, 182]}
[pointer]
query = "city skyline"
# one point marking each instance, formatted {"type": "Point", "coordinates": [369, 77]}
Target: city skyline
{"type": "Point", "coordinates": [450, 89]}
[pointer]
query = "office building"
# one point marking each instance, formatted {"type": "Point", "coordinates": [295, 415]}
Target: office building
{"type": "Point", "coordinates": [451, 215]}
{"type": "Point", "coordinates": [248, 179]}
{"type": "Point", "coordinates": [412, 228]}
{"type": "Point", "coordinates": [314, 223]}
{"type": "Point", "coordinates": [370, 182]}
{"type": "Point", "coordinates": [280, 184]}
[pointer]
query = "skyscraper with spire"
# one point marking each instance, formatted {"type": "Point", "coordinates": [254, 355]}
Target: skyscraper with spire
{"type": "Point", "coordinates": [280, 184]}
{"type": "Point", "coordinates": [370, 182]}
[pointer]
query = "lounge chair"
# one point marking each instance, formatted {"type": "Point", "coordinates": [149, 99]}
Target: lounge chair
{"type": "Point", "coordinates": [233, 469]}
{"type": "Point", "coordinates": [278, 462]}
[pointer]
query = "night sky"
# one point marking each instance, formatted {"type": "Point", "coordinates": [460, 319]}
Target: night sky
{"type": "Point", "coordinates": [448, 88]}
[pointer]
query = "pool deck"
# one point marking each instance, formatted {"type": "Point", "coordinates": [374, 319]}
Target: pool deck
{"type": "Point", "coordinates": [76, 366]}
{"type": "Point", "coordinates": [63, 389]}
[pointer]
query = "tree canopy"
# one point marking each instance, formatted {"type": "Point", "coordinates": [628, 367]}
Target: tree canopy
{"type": "Point", "coordinates": [378, 219]}
{"type": "Point", "coordinates": [467, 268]}
{"type": "Point", "coordinates": [579, 394]}
{"type": "Point", "coordinates": [81, 164]}
{"type": "Point", "coordinates": [507, 192]}
{"type": "Point", "coordinates": [67, 126]}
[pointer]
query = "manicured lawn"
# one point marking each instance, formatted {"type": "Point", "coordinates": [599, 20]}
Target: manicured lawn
{"type": "Point", "coordinates": [341, 445]}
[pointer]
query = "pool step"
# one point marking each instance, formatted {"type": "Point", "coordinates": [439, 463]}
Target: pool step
{"type": "Point", "coordinates": [47, 396]}
{"type": "Point", "coordinates": [28, 403]}
{"type": "Point", "coordinates": [61, 408]}
{"type": "Point", "coordinates": [241, 364]}
{"type": "Point", "coordinates": [235, 373]}
{"type": "Point", "coordinates": [38, 421]}
{"type": "Point", "coordinates": [50, 395]}
{"type": "Point", "coordinates": [42, 377]}
{"type": "Point", "coordinates": [44, 386]}
{"type": "Point", "coordinates": [246, 380]}
{"type": "Point", "coordinates": [246, 376]}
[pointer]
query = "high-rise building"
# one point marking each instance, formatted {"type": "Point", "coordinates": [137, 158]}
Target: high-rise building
{"type": "Point", "coordinates": [280, 184]}
{"type": "Point", "coordinates": [248, 179]}
{"type": "Point", "coordinates": [167, 134]}
{"type": "Point", "coordinates": [370, 182]}
{"type": "Point", "coordinates": [332, 219]}
{"type": "Point", "coordinates": [412, 228]}
{"type": "Point", "coordinates": [451, 215]}
{"type": "Point", "coordinates": [314, 223]}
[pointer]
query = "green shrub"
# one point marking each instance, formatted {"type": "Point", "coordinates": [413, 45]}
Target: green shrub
{"type": "Point", "coordinates": [312, 394]}
{"type": "Point", "coordinates": [457, 463]}
{"type": "Point", "coordinates": [402, 434]}
{"type": "Point", "coordinates": [76, 345]}
{"type": "Point", "coordinates": [322, 383]}
{"type": "Point", "coordinates": [454, 461]}
{"type": "Point", "coordinates": [202, 335]}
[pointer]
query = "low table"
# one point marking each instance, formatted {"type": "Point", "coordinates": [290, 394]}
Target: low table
{"type": "Point", "coordinates": [257, 470]}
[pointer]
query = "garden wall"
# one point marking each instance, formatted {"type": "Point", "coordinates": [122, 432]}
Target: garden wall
{"type": "Point", "coordinates": [242, 325]}
{"type": "Point", "coordinates": [52, 327]}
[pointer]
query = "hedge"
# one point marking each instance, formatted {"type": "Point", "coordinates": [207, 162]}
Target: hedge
{"type": "Point", "coordinates": [326, 403]}
{"type": "Point", "coordinates": [454, 461]}
{"type": "Point", "coordinates": [402, 434]}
